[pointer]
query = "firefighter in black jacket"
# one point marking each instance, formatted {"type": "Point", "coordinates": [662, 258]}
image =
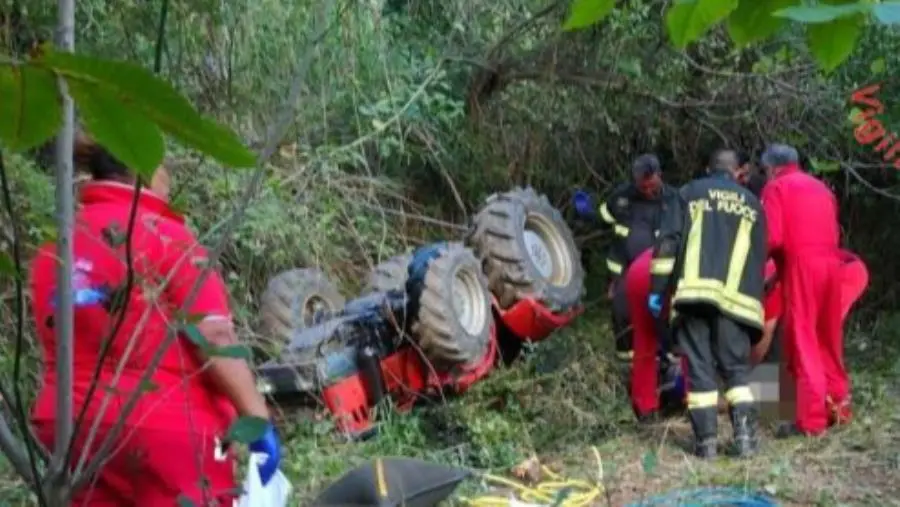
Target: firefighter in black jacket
{"type": "Point", "coordinates": [711, 256]}
{"type": "Point", "coordinates": [633, 211]}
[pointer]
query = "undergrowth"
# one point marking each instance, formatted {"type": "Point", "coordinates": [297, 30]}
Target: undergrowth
{"type": "Point", "coordinates": [565, 397]}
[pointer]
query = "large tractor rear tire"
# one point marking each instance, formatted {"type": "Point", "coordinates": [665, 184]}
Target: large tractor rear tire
{"type": "Point", "coordinates": [453, 319]}
{"type": "Point", "coordinates": [527, 250]}
{"type": "Point", "coordinates": [292, 301]}
{"type": "Point", "coordinates": [389, 275]}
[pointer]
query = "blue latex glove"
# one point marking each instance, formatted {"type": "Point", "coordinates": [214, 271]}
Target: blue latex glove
{"type": "Point", "coordinates": [584, 204]}
{"type": "Point", "coordinates": [655, 304]}
{"type": "Point", "coordinates": [270, 445]}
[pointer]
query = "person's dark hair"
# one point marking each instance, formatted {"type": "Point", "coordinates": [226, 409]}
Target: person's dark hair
{"type": "Point", "coordinates": [756, 182]}
{"type": "Point", "coordinates": [744, 158]}
{"type": "Point", "coordinates": [100, 163]}
{"type": "Point", "coordinates": [724, 160]}
{"type": "Point", "coordinates": [646, 165]}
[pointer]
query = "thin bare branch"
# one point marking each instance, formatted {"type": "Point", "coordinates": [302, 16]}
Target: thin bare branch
{"type": "Point", "coordinates": [85, 471]}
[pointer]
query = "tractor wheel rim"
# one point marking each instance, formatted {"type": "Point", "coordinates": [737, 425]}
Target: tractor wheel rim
{"type": "Point", "coordinates": [312, 308]}
{"type": "Point", "coordinates": [468, 301]}
{"type": "Point", "coordinates": [547, 250]}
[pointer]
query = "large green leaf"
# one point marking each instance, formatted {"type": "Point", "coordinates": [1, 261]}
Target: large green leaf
{"type": "Point", "coordinates": [831, 43]}
{"type": "Point", "coordinates": [887, 13]}
{"type": "Point", "coordinates": [122, 129]}
{"type": "Point", "coordinates": [823, 13]}
{"type": "Point", "coordinates": [133, 85]}
{"type": "Point", "coordinates": [584, 13]}
{"type": "Point", "coordinates": [30, 110]}
{"type": "Point", "coordinates": [753, 21]}
{"type": "Point", "coordinates": [687, 20]}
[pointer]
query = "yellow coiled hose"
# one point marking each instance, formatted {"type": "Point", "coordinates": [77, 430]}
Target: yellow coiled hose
{"type": "Point", "coordinates": [580, 493]}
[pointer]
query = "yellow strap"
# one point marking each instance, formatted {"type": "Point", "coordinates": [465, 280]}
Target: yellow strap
{"type": "Point", "coordinates": [621, 230]}
{"type": "Point", "coordinates": [741, 394]}
{"type": "Point", "coordinates": [703, 400]}
{"type": "Point", "coordinates": [380, 479]}
{"type": "Point", "coordinates": [662, 266]}
{"type": "Point", "coordinates": [625, 355]}
{"type": "Point", "coordinates": [606, 215]}
{"type": "Point", "coordinates": [614, 266]}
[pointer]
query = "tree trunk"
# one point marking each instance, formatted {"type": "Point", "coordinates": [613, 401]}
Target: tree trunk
{"type": "Point", "coordinates": [63, 320]}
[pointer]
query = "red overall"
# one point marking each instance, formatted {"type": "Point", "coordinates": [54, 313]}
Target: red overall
{"type": "Point", "coordinates": [802, 219]}
{"type": "Point", "coordinates": [854, 280]}
{"type": "Point", "coordinates": [773, 303]}
{"type": "Point", "coordinates": [170, 446]}
{"type": "Point", "coordinates": [644, 371]}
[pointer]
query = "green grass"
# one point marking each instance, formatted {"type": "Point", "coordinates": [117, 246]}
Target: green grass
{"type": "Point", "coordinates": [565, 398]}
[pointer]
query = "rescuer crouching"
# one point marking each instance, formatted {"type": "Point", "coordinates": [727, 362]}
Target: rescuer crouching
{"type": "Point", "coordinates": [711, 256]}
{"type": "Point", "coordinates": [632, 211]}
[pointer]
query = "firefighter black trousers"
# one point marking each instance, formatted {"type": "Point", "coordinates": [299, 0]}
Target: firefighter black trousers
{"type": "Point", "coordinates": [713, 343]}
{"type": "Point", "coordinates": [620, 321]}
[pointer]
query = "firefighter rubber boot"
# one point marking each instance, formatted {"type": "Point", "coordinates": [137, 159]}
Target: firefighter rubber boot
{"type": "Point", "coordinates": [703, 422]}
{"type": "Point", "coordinates": [743, 422]}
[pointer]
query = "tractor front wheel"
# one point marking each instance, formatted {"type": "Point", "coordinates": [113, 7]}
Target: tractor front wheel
{"type": "Point", "coordinates": [453, 319]}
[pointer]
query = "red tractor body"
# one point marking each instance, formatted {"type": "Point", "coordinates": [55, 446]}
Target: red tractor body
{"type": "Point", "coordinates": [407, 377]}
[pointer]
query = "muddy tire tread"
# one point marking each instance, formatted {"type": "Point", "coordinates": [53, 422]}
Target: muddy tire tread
{"type": "Point", "coordinates": [494, 236]}
{"type": "Point", "coordinates": [436, 329]}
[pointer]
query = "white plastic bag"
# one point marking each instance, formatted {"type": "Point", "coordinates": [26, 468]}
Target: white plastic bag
{"type": "Point", "coordinates": [273, 494]}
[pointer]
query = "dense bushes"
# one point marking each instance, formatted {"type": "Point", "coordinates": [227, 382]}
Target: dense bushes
{"type": "Point", "coordinates": [411, 112]}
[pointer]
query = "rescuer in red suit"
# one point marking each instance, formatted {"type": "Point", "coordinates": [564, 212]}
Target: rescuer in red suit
{"type": "Point", "coordinates": [171, 445]}
{"type": "Point", "coordinates": [854, 277]}
{"type": "Point", "coordinates": [803, 231]}
{"type": "Point", "coordinates": [644, 371]}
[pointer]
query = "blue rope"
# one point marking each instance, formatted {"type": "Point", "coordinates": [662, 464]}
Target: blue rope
{"type": "Point", "coordinates": [699, 497]}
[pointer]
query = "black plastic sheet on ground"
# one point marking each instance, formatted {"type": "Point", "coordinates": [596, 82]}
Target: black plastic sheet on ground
{"type": "Point", "coordinates": [392, 482]}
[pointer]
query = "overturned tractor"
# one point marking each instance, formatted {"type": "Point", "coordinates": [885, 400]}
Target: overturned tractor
{"type": "Point", "coordinates": [429, 323]}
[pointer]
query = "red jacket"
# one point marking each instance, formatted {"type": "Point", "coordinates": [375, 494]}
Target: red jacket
{"type": "Point", "coordinates": [167, 262]}
{"type": "Point", "coordinates": [801, 215]}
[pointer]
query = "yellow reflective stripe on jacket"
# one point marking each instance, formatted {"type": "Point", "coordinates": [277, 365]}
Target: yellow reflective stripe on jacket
{"type": "Point", "coordinates": [621, 230]}
{"type": "Point", "coordinates": [726, 295]}
{"type": "Point", "coordinates": [693, 244]}
{"type": "Point", "coordinates": [714, 291]}
{"type": "Point", "coordinates": [662, 266]}
{"type": "Point", "coordinates": [625, 355]}
{"type": "Point", "coordinates": [739, 253]}
{"type": "Point", "coordinates": [741, 394]}
{"type": "Point", "coordinates": [703, 399]}
{"type": "Point", "coordinates": [614, 266]}
{"type": "Point", "coordinates": [605, 215]}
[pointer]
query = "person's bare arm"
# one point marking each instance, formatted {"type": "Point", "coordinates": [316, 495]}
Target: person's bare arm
{"type": "Point", "coordinates": [232, 376]}
{"type": "Point", "coordinates": [759, 351]}
{"type": "Point", "coordinates": [187, 261]}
